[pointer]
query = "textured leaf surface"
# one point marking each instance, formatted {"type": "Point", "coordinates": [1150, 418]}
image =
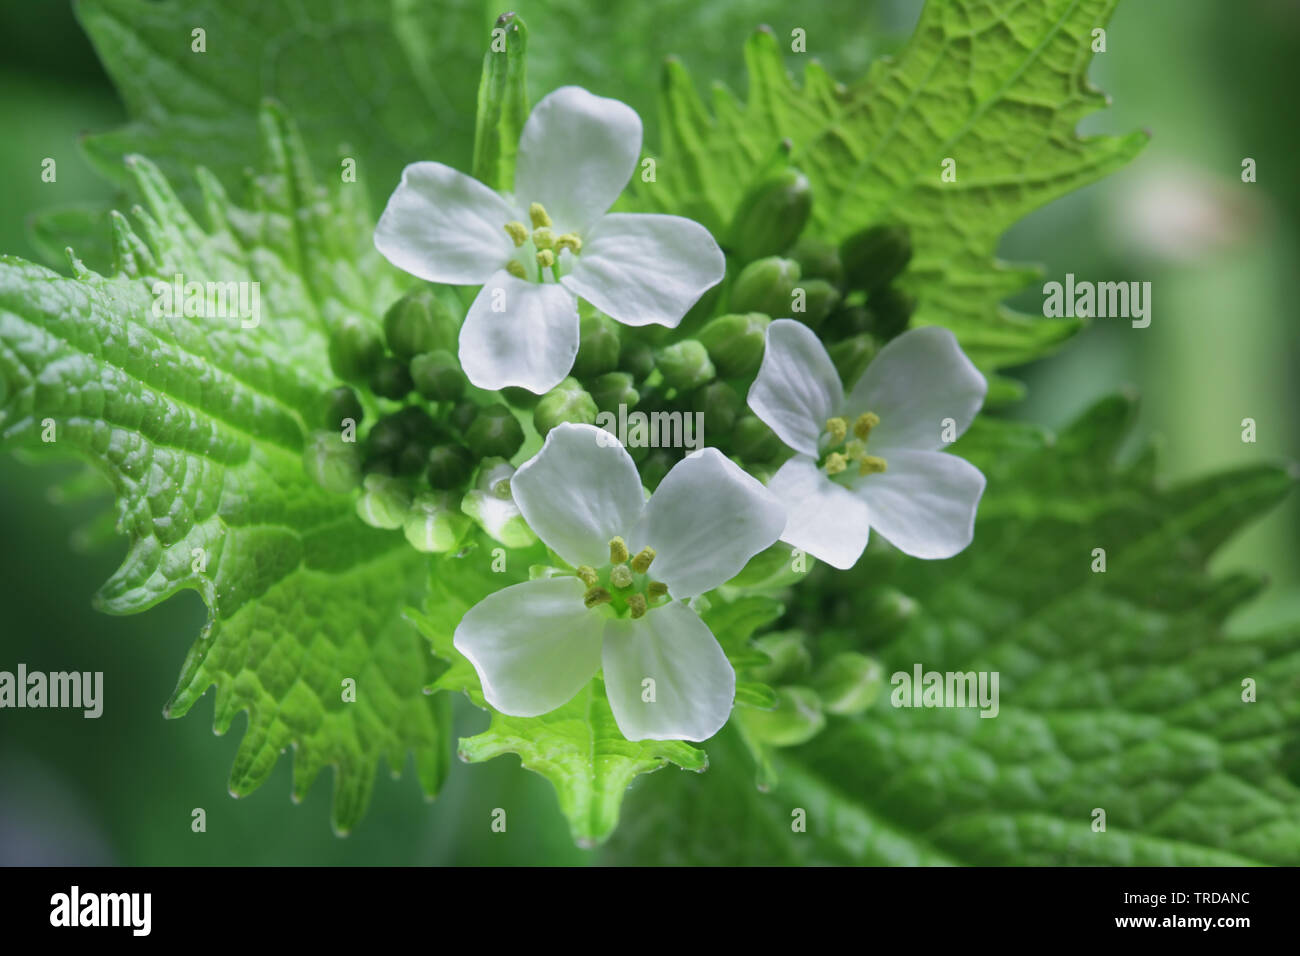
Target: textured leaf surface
{"type": "Point", "coordinates": [578, 747]}
{"type": "Point", "coordinates": [996, 85]}
{"type": "Point", "coordinates": [1118, 690]}
{"type": "Point", "coordinates": [199, 424]}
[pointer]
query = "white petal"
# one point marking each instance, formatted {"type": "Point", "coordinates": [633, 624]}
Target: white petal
{"type": "Point", "coordinates": [694, 683]}
{"type": "Point", "coordinates": [706, 519]}
{"type": "Point", "coordinates": [646, 269]}
{"type": "Point", "coordinates": [531, 342]}
{"type": "Point", "coordinates": [579, 491]}
{"type": "Point", "coordinates": [797, 387]}
{"type": "Point", "coordinates": [924, 504]}
{"type": "Point", "coordinates": [918, 380]}
{"type": "Point", "coordinates": [534, 644]}
{"type": "Point", "coordinates": [576, 154]}
{"type": "Point", "coordinates": [825, 519]}
{"type": "Point", "coordinates": [444, 226]}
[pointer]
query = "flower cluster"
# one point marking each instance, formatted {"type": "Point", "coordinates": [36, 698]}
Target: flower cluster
{"type": "Point", "coordinates": [567, 291]}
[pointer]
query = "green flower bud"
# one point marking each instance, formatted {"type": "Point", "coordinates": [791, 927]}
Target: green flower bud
{"type": "Point", "coordinates": [752, 440]}
{"type": "Point", "coordinates": [735, 342]}
{"type": "Point", "coordinates": [354, 349]}
{"type": "Point", "coordinates": [390, 378]}
{"type": "Point", "coordinates": [796, 719]}
{"type": "Point", "coordinates": [462, 416]}
{"type": "Point", "coordinates": [448, 466]}
{"type": "Point", "coordinates": [341, 403]}
{"type": "Point", "coordinates": [384, 501]}
{"type": "Point", "coordinates": [847, 320]}
{"type": "Point", "coordinates": [614, 389]}
{"type": "Point", "coordinates": [685, 364]}
{"type": "Point", "coordinates": [890, 610]}
{"type": "Point", "coordinates": [417, 424]}
{"type": "Point", "coordinates": [851, 356]}
{"type": "Point", "coordinates": [567, 402]}
{"type": "Point", "coordinates": [789, 653]}
{"type": "Point", "coordinates": [891, 309]}
{"type": "Point", "coordinates": [720, 404]}
{"type": "Point", "coordinates": [657, 464]}
{"type": "Point", "coordinates": [491, 506]}
{"type": "Point", "coordinates": [437, 376]}
{"type": "Point", "coordinates": [387, 437]}
{"type": "Point", "coordinates": [495, 432]}
{"type": "Point", "coordinates": [818, 259]}
{"type": "Point", "coordinates": [331, 462]}
{"type": "Point", "coordinates": [875, 257]}
{"type": "Point", "coordinates": [818, 299]}
{"type": "Point", "coordinates": [410, 460]}
{"type": "Point", "coordinates": [849, 683]}
{"type": "Point", "coordinates": [598, 347]}
{"type": "Point", "coordinates": [637, 359]}
{"type": "Point", "coordinates": [435, 522]}
{"type": "Point", "coordinates": [771, 216]}
{"type": "Point", "coordinates": [766, 286]}
{"type": "Point", "coordinates": [419, 322]}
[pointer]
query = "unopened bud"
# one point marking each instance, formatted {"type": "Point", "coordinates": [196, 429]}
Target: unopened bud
{"type": "Point", "coordinates": [437, 376]}
{"type": "Point", "coordinates": [493, 508]}
{"type": "Point", "coordinates": [598, 347]}
{"type": "Point", "coordinates": [685, 364]}
{"type": "Point", "coordinates": [875, 257]}
{"type": "Point", "coordinates": [788, 650]}
{"type": "Point", "coordinates": [753, 440]}
{"type": "Point", "coordinates": [820, 297]}
{"type": "Point", "coordinates": [796, 719]}
{"type": "Point", "coordinates": [448, 466]}
{"type": "Point", "coordinates": [891, 309]}
{"type": "Point", "coordinates": [766, 286]}
{"type": "Point", "coordinates": [419, 322]}
{"type": "Point", "coordinates": [390, 378]}
{"type": "Point", "coordinates": [735, 342]}
{"type": "Point", "coordinates": [435, 523]}
{"type": "Point", "coordinates": [771, 216]}
{"type": "Point", "coordinates": [567, 402]}
{"type": "Point", "coordinates": [354, 349]}
{"type": "Point", "coordinates": [818, 259]}
{"type": "Point", "coordinates": [614, 389]}
{"type": "Point", "coordinates": [341, 403]}
{"type": "Point", "coordinates": [849, 683]}
{"type": "Point", "coordinates": [636, 358]}
{"type": "Point", "coordinates": [495, 432]}
{"type": "Point", "coordinates": [719, 403]}
{"type": "Point", "coordinates": [384, 502]}
{"type": "Point", "coordinates": [851, 356]}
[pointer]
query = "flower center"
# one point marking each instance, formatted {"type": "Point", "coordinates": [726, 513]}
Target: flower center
{"type": "Point", "coordinates": [542, 246]}
{"type": "Point", "coordinates": [840, 451]}
{"type": "Point", "coordinates": [623, 584]}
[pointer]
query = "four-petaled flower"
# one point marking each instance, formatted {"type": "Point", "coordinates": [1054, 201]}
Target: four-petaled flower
{"type": "Point", "coordinates": [536, 644]}
{"type": "Point", "coordinates": [576, 153]}
{"type": "Point", "coordinates": [836, 489]}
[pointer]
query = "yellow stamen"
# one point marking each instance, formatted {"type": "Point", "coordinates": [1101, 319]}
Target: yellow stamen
{"type": "Point", "coordinates": [518, 232]}
{"type": "Point", "coordinates": [544, 238]}
{"type": "Point", "coordinates": [569, 241]}
{"type": "Point", "coordinates": [516, 269]}
{"type": "Point", "coordinates": [871, 465]}
{"type": "Point", "coordinates": [835, 463]}
{"type": "Point", "coordinates": [837, 428]}
{"type": "Point", "coordinates": [656, 589]}
{"type": "Point", "coordinates": [641, 563]}
{"type": "Point", "coordinates": [596, 596]}
{"type": "Point", "coordinates": [865, 422]}
{"type": "Point", "coordinates": [617, 550]}
{"type": "Point", "coordinates": [537, 213]}
{"type": "Point", "coordinates": [620, 576]}
{"type": "Point", "coordinates": [546, 258]}
{"type": "Point", "coordinates": [855, 450]}
{"type": "Point", "coordinates": [636, 604]}
{"type": "Point", "coordinates": [588, 575]}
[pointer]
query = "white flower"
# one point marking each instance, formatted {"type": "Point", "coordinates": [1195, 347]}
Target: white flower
{"type": "Point", "coordinates": [872, 460]}
{"type": "Point", "coordinates": [536, 644]}
{"type": "Point", "coordinates": [576, 154]}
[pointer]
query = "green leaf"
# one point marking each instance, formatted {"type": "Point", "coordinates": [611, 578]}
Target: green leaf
{"type": "Point", "coordinates": [997, 86]}
{"type": "Point", "coordinates": [577, 747]}
{"type": "Point", "coordinates": [199, 424]}
{"type": "Point", "coordinates": [502, 105]}
{"type": "Point", "coordinates": [1118, 690]}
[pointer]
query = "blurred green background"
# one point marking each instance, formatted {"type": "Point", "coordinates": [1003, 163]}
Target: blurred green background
{"type": "Point", "coordinates": [1209, 79]}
